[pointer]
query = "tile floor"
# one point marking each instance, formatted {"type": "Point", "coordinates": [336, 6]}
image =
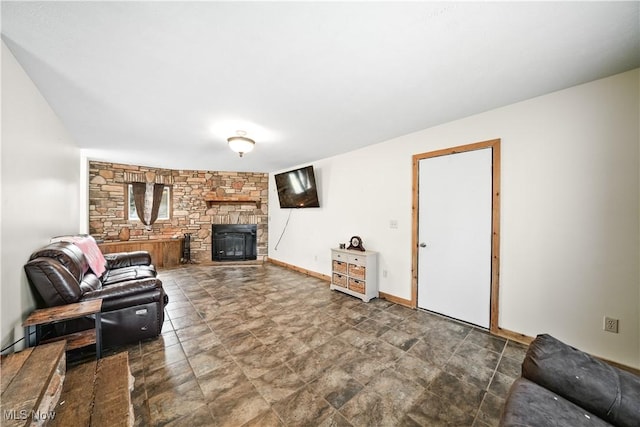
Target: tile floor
{"type": "Point", "coordinates": [265, 346]}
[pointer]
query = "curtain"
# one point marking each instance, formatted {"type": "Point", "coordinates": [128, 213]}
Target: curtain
{"type": "Point", "coordinates": [139, 190]}
{"type": "Point", "coordinates": [147, 216]}
{"type": "Point", "coordinates": [158, 189]}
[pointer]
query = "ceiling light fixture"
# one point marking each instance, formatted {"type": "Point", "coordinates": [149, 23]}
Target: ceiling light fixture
{"type": "Point", "coordinates": [240, 143]}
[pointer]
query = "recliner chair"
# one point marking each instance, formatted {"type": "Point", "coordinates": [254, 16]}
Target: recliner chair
{"type": "Point", "coordinates": [133, 297]}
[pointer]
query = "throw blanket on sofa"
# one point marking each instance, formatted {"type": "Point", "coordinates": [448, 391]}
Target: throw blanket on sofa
{"type": "Point", "coordinates": [89, 247]}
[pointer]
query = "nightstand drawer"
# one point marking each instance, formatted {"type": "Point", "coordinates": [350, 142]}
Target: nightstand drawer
{"type": "Point", "coordinates": [340, 280]}
{"type": "Point", "coordinates": [357, 271]}
{"type": "Point", "coordinates": [357, 286]}
{"type": "Point", "coordinates": [357, 259]}
{"type": "Point", "coordinates": [339, 267]}
{"type": "Point", "coordinates": [339, 256]}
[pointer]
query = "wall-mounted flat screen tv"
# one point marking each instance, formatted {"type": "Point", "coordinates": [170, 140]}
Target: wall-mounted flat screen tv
{"type": "Point", "coordinates": [297, 188]}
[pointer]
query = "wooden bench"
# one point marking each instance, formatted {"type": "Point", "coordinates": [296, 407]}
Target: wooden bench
{"type": "Point", "coordinates": [31, 384]}
{"type": "Point", "coordinates": [38, 389]}
{"type": "Point", "coordinates": [97, 393]}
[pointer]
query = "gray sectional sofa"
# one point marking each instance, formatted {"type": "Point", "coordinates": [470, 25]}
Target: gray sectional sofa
{"type": "Point", "coordinates": [565, 387]}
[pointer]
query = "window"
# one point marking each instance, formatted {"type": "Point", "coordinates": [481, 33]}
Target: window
{"type": "Point", "coordinates": [165, 204]}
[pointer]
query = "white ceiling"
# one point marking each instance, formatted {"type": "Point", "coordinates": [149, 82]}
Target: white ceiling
{"type": "Point", "coordinates": [165, 83]}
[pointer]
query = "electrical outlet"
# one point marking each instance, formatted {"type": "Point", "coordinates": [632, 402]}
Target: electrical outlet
{"type": "Point", "coordinates": [611, 325]}
{"type": "Point", "coordinates": [384, 273]}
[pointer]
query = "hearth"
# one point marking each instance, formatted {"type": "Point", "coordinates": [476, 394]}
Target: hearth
{"type": "Point", "coordinates": [234, 242]}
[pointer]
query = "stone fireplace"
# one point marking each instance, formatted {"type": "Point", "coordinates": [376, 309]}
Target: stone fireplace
{"type": "Point", "coordinates": [198, 200]}
{"type": "Point", "coordinates": [234, 242]}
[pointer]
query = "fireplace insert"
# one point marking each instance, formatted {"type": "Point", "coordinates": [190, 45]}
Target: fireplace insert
{"type": "Point", "coordinates": [234, 242]}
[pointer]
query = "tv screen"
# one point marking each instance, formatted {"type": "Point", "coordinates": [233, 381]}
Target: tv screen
{"type": "Point", "coordinates": [297, 188]}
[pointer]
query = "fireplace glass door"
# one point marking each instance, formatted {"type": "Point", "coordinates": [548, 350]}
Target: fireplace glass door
{"type": "Point", "coordinates": [235, 242]}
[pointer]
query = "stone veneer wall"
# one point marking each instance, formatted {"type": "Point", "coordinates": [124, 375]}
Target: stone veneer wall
{"type": "Point", "coordinates": [190, 212]}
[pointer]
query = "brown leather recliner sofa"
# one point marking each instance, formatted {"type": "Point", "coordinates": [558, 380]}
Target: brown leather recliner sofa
{"type": "Point", "coordinates": [133, 299]}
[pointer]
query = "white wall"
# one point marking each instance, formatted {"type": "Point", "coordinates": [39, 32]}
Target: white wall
{"type": "Point", "coordinates": [40, 175]}
{"type": "Point", "coordinates": [570, 208]}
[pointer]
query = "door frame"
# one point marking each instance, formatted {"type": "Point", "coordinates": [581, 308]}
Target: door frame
{"type": "Point", "coordinates": [494, 144]}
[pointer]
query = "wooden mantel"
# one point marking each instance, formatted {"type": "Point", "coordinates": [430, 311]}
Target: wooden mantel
{"type": "Point", "coordinates": [215, 199]}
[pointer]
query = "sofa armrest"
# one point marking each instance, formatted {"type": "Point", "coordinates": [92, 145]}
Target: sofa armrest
{"type": "Point", "coordinates": [127, 259]}
{"type": "Point", "coordinates": [529, 404]}
{"type": "Point", "coordinates": [52, 281]}
{"type": "Point", "coordinates": [127, 294]}
{"type": "Point", "coordinates": [606, 391]}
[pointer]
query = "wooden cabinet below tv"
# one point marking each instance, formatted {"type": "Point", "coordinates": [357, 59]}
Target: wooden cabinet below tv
{"type": "Point", "coordinates": [165, 253]}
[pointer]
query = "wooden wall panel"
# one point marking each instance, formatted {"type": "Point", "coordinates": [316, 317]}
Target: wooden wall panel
{"type": "Point", "coordinates": [164, 253]}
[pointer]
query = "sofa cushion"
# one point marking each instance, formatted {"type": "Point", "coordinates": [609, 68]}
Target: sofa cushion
{"type": "Point", "coordinates": [89, 283]}
{"type": "Point", "coordinates": [125, 274]}
{"type": "Point", "coordinates": [606, 391]}
{"type": "Point", "coordinates": [529, 404]}
{"type": "Point", "coordinates": [127, 259]}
